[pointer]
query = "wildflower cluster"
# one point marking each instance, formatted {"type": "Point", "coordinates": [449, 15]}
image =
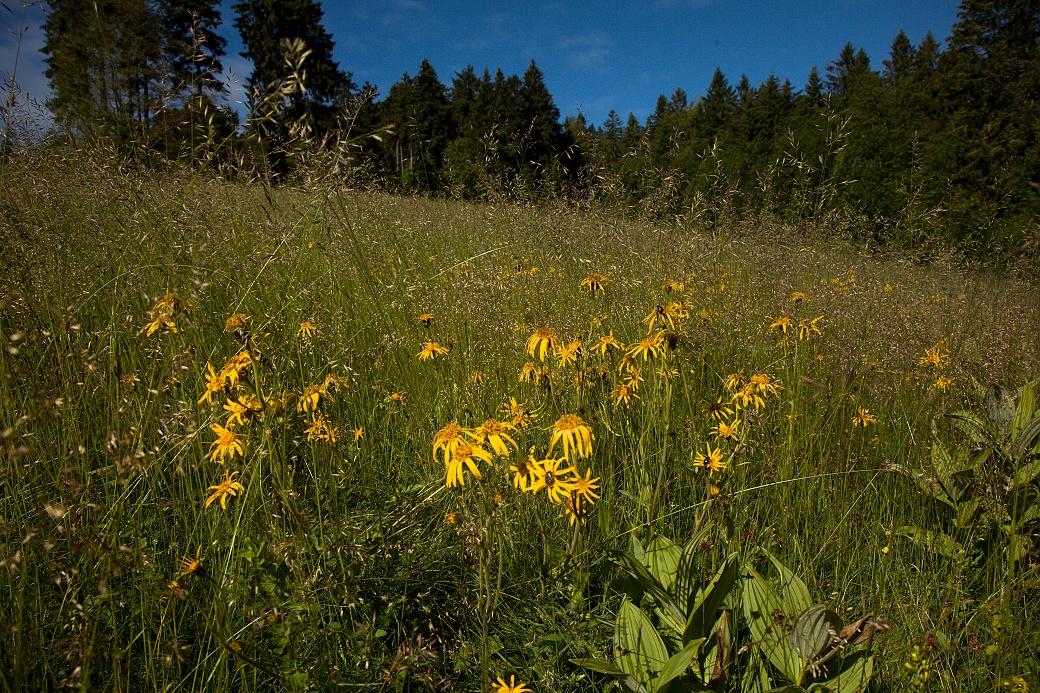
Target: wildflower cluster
{"type": "Point", "coordinates": [473, 450]}
{"type": "Point", "coordinates": [935, 360]}
{"type": "Point", "coordinates": [162, 313]}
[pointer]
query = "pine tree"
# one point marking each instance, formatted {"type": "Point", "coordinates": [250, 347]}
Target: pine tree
{"type": "Point", "coordinates": [541, 119]}
{"type": "Point", "coordinates": [718, 106]}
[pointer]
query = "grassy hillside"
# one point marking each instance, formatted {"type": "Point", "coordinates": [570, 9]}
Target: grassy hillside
{"type": "Point", "coordinates": [341, 558]}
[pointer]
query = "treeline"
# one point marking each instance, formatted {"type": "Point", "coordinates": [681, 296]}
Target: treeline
{"type": "Point", "coordinates": [934, 147]}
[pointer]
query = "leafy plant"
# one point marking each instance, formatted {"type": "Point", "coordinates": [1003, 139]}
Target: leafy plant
{"type": "Point", "coordinates": [987, 489]}
{"type": "Point", "coordinates": [691, 647]}
{"type": "Point", "coordinates": [806, 644]}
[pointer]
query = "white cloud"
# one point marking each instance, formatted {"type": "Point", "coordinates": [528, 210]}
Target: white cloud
{"type": "Point", "coordinates": [588, 52]}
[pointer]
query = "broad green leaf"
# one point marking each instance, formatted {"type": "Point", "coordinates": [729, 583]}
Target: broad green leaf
{"type": "Point", "coordinates": [635, 547]}
{"type": "Point", "coordinates": [713, 658]}
{"type": "Point", "coordinates": [813, 631]}
{"type": "Point", "coordinates": [705, 611]}
{"type": "Point", "coordinates": [662, 560]}
{"type": "Point", "coordinates": [678, 663]}
{"type": "Point", "coordinates": [1027, 473]}
{"type": "Point", "coordinates": [1024, 411]}
{"type": "Point", "coordinates": [640, 650]}
{"type": "Point", "coordinates": [768, 621]}
{"type": "Point", "coordinates": [852, 677]}
{"type": "Point", "coordinates": [1028, 440]}
{"type": "Point", "coordinates": [971, 424]}
{"type": "Point", "coordinates": [603, 666]}
{"type": "Point", "coordinates": [687, 576]}
{"type": "Point", "coordinates": [932, 541]}
{"type": "Point", "coordinates": [1019, 547]}
{"type": "Point", "coordinates": [793, 592]}
{"type": "Point", "coordinates": [1000, 407]}
{"type": "Point", "coordinates": [649, 583]}
{"type": "Point", "coordinates": [966, 513]}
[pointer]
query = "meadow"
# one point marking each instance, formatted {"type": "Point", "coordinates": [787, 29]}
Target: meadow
{"type": "Point", "coordinates": [304, 438]}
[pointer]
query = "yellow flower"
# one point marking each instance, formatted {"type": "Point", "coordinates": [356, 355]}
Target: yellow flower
{"type": "Point", "coordinates": [227, 444]}
{"type": "Point", "coordinates": [227, 487]}
{"type": "Point", "coordinates": [242, 410]}
{"type": "Point", "coordinates": [936, 357]}
{"type": "Point", "coordinates": [493, 433]}
{"type": "Point", "coordinates": [528, 373]}
{"type": "Point", "coordinates": [574, 433]}
{"type": "Point", "coordinates": [862, 418]}
{"type": "Point", "coordinates": [728, 431]}
{"type": "Point", "coordinates": [623, 393]}
{"type": "Point", "coordinates": [307, 330]}
{"type": "Point", "coordinates": [943, 383]}
{"type": "Point", "coordinates": [464, 455]}
{"type": "Point", "coordinates": [311, 397]}
{"type": "Point", "coordinates": [746, 395]}
{"type": "Point", "coordinates": [764, 384]}
{"type": "Point", "coordinates": [477, 377]}
{"type": "Point", "coordinates": [524, 472]}
{"type": "Point", "coordinates": [238, 325]}
{"type": "Point", "coordinates": [658, 314]}
{"type": "Point", "coordinates": [673, 285]}
{"type": "Point", "coordinates": [569, 354]}
{"type": "Point", "coordinates": [520, 416]}
{"type": "Point", "coordinates": [797, 297]}
{"type": "Point", "coordinates": [649, 346]}
{"type": "Point", "coordinates": [607, 342]}
{"type": "Point", "coordinates": [319, 429]}
{"type": "Point", "coordinates": [735, 381]}
{"type": "Point", "coordinates": [806, 328]}
{"type": "Point", "coordinates": [586, 486]}
{"type": "Point", "coordinates": [594, 282]}
{"type": "Point", "coordinates": [426, 319]}
{"type": "Point", "coordinates": [512, 687]}
{"type": "Point", "coordinates": [191, 565]}
{"type": "Point", "coordinates": [359, 433]}
{"type": "Point", "coordinates": [214, 384]}
{"type": "Point", "coordinates": [161, 320]}
{"type": "Point", "coordinates": [1015, 684]}
{"type": "Point", "coordinates": [447, 439]}
{"type": "Point", "coordinates": [717, 410]}
{"type": "Point", "coordinates": [782, 322]}
{"type": "Point", "coordinates": [235, 366]}
{"type": "Point", "coordinates": [452, 518]}
{"type": "Point", "coordinates": [712, 461]}
{"type": "Point", "coordinates": [551, 476]}
{"type": "Point", "coordinates": [544, 339]}
{"type": "Point", "coordinates": [431, 350]}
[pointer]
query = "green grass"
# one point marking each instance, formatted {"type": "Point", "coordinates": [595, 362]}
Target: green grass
{"type": "Point", "coordinates": [335, 566]}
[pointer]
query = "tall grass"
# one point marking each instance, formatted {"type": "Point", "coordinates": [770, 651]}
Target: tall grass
{"type": "Point", "coordinates": [335, 566]}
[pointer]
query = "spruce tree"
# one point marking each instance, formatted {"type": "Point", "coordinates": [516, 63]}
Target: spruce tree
{"type": "Point", "coordinates": [193, 48]}
{"type": "Point", "coordinates": [266, 27]}
{"type": "Point", "coordinates": [103, 63]}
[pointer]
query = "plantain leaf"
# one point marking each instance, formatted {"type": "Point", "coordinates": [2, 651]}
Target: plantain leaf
{"type": "Point", "coordinates": [793, 592]}
{"type": "Point", "coordinates": [662, 560]}
{"type": "Point", "coordinates": [768, 621]}
{"type": "Point", "coordinates": [603, 666]}
{"type": "Point", "coordinates": [687, 575]}
{"type": "Point", "coordinates": [648, 582]}
{"type": "Point", "coordinates": [1028, 440]}
{"type": "Point", "coordinates": [640, 649]}
{"type": "Point", "coordinates": [933, 541]}
{"type": "Point", "coordinates": [705, 611]}
{"type": "Point", "coordinates": [678, 663]}
{"type": "Point", "coordinates": [852, 677]}
{"type": "Point", "coordinates": [813, 632]}
{"type": "Point", "coordinates": [1024, 411]}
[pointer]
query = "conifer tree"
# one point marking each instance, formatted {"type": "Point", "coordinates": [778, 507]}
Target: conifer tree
{"type": "Point", "coordinates": [266, 26]}
{"type": "Point", "coordinates": [192, 47]}
{"type": "Point", "coordinates": [104, 63]}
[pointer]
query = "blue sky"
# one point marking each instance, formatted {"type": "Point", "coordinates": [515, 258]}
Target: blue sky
{"type": "Point", "coordinates": [596, 56]}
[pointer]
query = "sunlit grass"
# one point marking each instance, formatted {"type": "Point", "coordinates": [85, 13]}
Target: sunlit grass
{"type": "Point", "coordinates": [247, 383]}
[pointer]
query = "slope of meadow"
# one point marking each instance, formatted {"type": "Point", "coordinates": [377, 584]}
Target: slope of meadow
{"type": "Point", "coordinates": [318, 544]}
